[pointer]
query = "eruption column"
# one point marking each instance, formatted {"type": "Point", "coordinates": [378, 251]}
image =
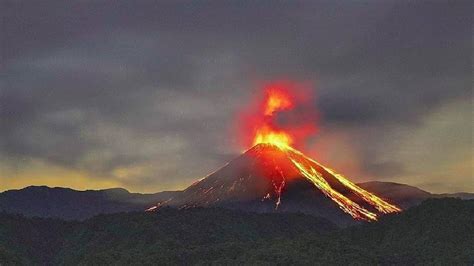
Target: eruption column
{"type": "Point", "coordinates": [279, 98]}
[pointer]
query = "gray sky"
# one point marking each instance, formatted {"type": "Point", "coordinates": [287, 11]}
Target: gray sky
{"type": "Point", "coordinates": [143, 95]}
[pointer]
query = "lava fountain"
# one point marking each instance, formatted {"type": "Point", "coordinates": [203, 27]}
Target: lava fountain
{"type": "Point", "coordinates": [261, 123]}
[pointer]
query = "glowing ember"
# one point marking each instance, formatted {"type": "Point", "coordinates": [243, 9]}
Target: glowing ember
{"type": "Point", "coordinates": [313, 171]}
{"type": "Point", "coordinates": [276, 100]}
{"type": "Point", "coordinates": [273, 117]}
{"type": "Point", "coordinates": [266, 135]}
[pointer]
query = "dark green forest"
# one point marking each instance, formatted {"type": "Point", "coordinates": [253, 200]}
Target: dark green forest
{"type": "Point", "coordinates": [437, 232]}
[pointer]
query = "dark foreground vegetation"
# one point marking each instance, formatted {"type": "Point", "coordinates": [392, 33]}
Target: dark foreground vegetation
{"type": "Point", "coordinates": [437, 232]}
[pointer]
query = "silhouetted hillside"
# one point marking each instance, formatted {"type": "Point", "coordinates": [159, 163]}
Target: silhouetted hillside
{"type": "Point", "coordinates": [69, 204]}
{"type": "Point", "coordinates": [439, 231]}
{"type": "Point", "coordinates": [403, 195]}
{"type": "Point", "coordinates": [72, 204]}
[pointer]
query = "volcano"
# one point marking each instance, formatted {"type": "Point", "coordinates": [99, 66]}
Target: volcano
{"type": "Point", "coordinates": [273, 177]}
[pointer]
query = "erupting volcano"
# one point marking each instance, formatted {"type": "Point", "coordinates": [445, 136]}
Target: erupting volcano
{"type": "Point", "coordinates": [274, 175]}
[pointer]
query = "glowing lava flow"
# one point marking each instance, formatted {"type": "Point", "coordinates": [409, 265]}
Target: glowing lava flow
{"type": "Point", "coordinates": [266, 132]}
{"type": "Point", "coordinates": [307, 167]}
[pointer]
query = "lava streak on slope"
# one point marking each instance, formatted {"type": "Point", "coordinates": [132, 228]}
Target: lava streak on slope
{"type": "Point", "coordinates": [275, 170]}
{"type": "Point", "coordinates": [264, 128]}
{"type": "Point", "coordinates": [318, 175]}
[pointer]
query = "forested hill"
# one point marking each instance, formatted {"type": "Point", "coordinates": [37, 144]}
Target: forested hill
{"type": "Point", "coordinates": [439, 231]}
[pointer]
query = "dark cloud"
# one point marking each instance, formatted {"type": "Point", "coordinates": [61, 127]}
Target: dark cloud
{"type": "Point", "coordinates": [385, 169]}
{"type": "Point", "coordinates": [99, 86]}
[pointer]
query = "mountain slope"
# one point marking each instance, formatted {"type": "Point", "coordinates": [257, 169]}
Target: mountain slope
{"type": "Point", "coordinates": [272, 178]}
{"type": "Point", "coordinates": [71, 204]}
{"type": "Point", "coordinates": [403, 195]}
{"type": "Point", "coordinates": [407, 196]}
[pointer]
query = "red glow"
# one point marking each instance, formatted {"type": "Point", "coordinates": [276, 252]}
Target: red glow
{"type": "Point", "coordinates": [285, 118]}
{"type": "Point", "coordinates": [281, 118]}
{"type": "Point", "coordinates": [282, 113]}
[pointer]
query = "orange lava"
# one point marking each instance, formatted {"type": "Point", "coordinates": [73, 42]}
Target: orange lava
{"type": "Point", "coordinates": [266, 130]}
{"type": "Point", "coordinates": [283, 114]}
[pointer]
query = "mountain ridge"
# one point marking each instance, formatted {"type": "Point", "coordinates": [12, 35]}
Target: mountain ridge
{"type": "Point", "coordinates": [70, 204]}
{"type": "Point", "coordinates": [20, 201]}
{"type": "Point", "coordinates": [274, 177]}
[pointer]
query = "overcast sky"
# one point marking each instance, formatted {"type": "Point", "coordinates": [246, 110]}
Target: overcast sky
{"type": "Point", "coordinates": [143, 94]}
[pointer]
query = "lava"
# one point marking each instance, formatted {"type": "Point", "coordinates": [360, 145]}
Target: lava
{"type": "Point", "coordinates": [267, 131]}
{"type": "Point", "coordinates": [276, 126]}
{"type": "Point", "coordinates": [267, 135]}
{"type": "Point", "coordinates": [283, 114]}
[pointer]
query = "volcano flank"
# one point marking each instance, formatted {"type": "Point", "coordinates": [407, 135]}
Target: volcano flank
{"type": "Point", "coordinates": [279, 178]}
{"type": "Point", "coordinates": [274, 176]}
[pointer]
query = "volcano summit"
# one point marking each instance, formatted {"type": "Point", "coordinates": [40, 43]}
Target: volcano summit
{"type": "Point", "coordinates": [273, 177]}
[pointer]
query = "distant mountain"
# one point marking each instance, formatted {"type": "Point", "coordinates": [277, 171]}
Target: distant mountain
{"type": "Point", "coordinates": [436, 232]}
{"type": "Point", "coordinates": [69, 204]}
{"type": "Point", "coordinates": [404, 195]}
{"type": "Point", "coordinates": [407, 196]}
{"type": "Point", "coordinates": [460, 195]}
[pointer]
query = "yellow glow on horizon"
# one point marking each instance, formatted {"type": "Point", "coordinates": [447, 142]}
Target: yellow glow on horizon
{"type": "Point", "coordinates": [39, 173]}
